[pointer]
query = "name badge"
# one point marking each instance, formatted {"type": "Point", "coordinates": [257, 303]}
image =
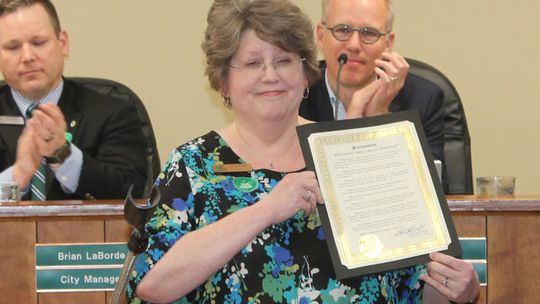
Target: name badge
{"type": "Point", "coordinates": [245, 184]}
{"type": "Point", "coordinates": [11, 120]}
{"type": "Point", "coordinates": [226, 168]}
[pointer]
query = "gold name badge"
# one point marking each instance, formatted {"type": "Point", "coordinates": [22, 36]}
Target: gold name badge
{"type": "Point", "coordinates": [226, 168]}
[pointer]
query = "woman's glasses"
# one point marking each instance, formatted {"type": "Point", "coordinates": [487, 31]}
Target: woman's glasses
{"type": "Point", "coordinates": [281, 66]}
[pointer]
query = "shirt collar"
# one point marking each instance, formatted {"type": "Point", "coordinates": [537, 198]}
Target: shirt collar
{"type": "Point", "coordinates": [342, 113]}
{"type": "Point", "coordinates": [52, 97]}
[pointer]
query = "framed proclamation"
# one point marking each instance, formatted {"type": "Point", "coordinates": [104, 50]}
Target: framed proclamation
{"type": "Point", "coordinates": [384, 205]}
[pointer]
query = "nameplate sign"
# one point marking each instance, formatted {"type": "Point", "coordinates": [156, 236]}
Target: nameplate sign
{"type": "Point", "coordinates": [81, 254]}
{"type": "Point", "coordinates": [96, 267]}
{"type": "Point", "coordinates": [76, 280]}
{"type": "Point", "coordinates": [79, 267]}
{"type": "Point", "coordinates": [475, 252]}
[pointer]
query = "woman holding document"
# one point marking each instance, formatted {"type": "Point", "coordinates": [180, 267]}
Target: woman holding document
{"type": "Point", "coordinates": [237, 220]}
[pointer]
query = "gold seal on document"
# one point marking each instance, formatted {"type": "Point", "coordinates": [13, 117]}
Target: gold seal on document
{"type": "Point", "coordinates": [370, 245]}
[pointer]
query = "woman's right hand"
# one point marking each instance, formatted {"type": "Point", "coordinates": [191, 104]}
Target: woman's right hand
{"type": "Point", "coordinates": [295, 192]}
{"type": "Point", "coordinates": [202, 252]}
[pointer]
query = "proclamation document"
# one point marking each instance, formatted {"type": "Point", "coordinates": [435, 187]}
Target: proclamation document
{"type": "Point", "coordinates": [383, 207]}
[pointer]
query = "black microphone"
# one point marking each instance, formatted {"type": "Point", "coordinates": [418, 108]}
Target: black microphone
{"type": "Point", "coordinates": [342, 59]}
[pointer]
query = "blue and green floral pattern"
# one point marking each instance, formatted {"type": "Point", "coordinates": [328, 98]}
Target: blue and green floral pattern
{"type": "Point", "coordinates": [286, 263]}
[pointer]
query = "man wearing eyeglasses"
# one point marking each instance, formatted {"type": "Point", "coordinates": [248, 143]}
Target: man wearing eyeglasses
{"type": "Point", "coordinates": [375, 79]}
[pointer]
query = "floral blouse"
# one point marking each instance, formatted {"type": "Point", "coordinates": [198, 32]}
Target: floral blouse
{"type": "Point", "coordinates": [286, 263]}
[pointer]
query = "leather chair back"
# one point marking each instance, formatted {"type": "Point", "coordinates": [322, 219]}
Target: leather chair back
{"type": "Point", "coordinates": [117, 90]}
{"type": "Point", "coordinates": [457, 141]}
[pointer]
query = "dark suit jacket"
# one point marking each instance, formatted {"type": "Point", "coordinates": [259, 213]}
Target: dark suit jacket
{"type": "Point", "coordinates": [417, 94]}
{"type": "Point", "coordinates": [106, 130]}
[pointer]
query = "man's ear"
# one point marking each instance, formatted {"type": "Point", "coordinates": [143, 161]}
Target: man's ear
{"type": "Point", "coordinates": [64, 40]}
{"type": "Point", "coordinates": [390, 41]}
{"type": "Point", "coordinates": [319, 34]}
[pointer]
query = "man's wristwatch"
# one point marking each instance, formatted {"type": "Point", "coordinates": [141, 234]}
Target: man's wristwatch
{"type": "Point", "coordinates": [60, 154]}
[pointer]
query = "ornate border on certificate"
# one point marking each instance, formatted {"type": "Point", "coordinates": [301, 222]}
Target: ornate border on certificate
{"type": "Point", "coordinates": [383, 209]}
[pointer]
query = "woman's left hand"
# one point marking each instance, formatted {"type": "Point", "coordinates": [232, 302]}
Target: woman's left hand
{"type": "Point", "coordinates": [452, 277]}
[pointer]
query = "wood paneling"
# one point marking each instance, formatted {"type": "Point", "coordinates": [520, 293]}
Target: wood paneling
{"type": "Point", "coordinates": [514, 258]}
{"type": "Point", "coordinates": [469, 224]}
{"type": "Point", "coordinates": [17, 261]}
{"type": "Point", "coordinates": [73, 297]}
{"type": "Point", "coordinates": [117, 231]}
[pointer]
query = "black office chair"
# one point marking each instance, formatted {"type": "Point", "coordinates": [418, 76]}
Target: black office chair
{"type": "Point", "coordinates": [117, 90]}
{"type": "Point", "coordinates": [457, 142]}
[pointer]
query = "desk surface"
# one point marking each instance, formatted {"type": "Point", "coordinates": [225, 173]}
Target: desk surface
{"type": "Point", "coordinates": [468, 203]}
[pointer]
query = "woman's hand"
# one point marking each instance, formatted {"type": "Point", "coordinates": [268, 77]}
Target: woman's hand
{"type": "Point", "coordinates": [453, 278]}
{"type": "Point", "coordinates": [202, 252]}
{"type": "Point", "coordinates": [295, 192]}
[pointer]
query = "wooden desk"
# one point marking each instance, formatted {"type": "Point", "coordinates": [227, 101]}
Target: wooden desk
{"type": "Point", "coordinates": [511, 226]}
{"type": "Point", "coordinates": [25, 224]}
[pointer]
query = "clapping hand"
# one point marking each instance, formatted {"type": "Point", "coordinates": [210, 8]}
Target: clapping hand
{"type": "Point", "coordinates": [375, 98]}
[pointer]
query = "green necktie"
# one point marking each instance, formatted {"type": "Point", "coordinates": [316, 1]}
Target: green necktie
{"type": "Point", "coordinates": [38, 183]}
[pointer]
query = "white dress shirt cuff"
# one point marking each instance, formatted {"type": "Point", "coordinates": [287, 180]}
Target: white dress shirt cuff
{"type": "Point", "coordinates": [68, 173]}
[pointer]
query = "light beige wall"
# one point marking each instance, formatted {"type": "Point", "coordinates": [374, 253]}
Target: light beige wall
{"type": "Point", "coordinates": [488, 48]}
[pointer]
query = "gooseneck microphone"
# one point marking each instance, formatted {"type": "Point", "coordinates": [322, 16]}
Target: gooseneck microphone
{"type": "Point", "coordinates": [342, 59]}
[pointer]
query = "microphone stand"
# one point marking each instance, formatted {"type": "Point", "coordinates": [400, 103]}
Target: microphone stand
{"type": "Point", "coordinates": [136, 215]}
{"type": "Point", "coordinates": [342, 59]}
